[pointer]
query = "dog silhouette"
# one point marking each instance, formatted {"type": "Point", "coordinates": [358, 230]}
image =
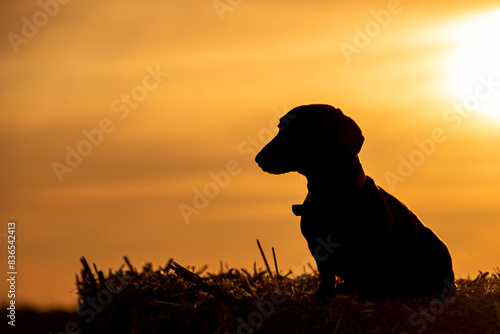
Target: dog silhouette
{"type": "Point", "coordinates": [354, 229]}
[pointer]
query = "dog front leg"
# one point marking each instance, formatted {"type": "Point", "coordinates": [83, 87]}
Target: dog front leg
{"type": "Point", "coordinates": [324, 252]}
{"type": "Point", "coordinates": [326, 286]}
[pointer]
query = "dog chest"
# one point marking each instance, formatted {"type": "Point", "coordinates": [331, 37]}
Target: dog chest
{"type": "Point", "coordinates": [333, 219]}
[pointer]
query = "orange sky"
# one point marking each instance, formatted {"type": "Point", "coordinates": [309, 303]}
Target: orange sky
{"type": "Point", "coordinates": [173, 93]}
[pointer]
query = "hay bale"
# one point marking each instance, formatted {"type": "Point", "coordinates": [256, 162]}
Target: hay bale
{"type": "Point", "coordinates": [174, 299]}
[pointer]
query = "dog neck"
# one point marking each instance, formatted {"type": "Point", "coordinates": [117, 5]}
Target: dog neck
{"type": "Point", "coordinates": [337, 182]}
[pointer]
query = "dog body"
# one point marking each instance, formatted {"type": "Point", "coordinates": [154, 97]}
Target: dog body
{"type": "Point", "coordinates": [354, 229]}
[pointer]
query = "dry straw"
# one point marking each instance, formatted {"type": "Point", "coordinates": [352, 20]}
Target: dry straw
{"type": "Point", "coordinates": [177, 299]}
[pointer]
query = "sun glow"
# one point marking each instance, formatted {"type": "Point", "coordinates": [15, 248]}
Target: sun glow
{"type": "Point", "coordinates": [474, 64]}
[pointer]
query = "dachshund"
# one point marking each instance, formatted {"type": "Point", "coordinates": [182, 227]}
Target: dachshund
{"type": "Point", "coordinates": [355, 230]}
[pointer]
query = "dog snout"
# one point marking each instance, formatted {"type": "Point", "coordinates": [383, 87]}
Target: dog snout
{"type": "Point", "coordinates": [275, 157]}
{"type": "Point", "coordinates": [264, 158]}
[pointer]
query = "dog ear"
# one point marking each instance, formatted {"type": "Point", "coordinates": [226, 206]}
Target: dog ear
{"type": "Point", "coordinates": [350, 137]}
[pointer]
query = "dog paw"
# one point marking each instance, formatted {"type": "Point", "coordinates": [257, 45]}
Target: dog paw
{"type": "Point", "coordinates": [325, 290]}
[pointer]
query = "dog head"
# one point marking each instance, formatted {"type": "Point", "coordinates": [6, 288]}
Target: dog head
{"type": "Point", "coordinates": [311, 137]}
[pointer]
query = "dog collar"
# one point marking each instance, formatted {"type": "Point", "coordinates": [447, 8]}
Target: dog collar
{"type": "Point", "coordinates": [299, 209]}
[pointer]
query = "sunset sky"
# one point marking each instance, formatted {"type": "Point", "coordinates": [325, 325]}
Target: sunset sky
{"type": "Point", "coordinates": [130, 128]}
